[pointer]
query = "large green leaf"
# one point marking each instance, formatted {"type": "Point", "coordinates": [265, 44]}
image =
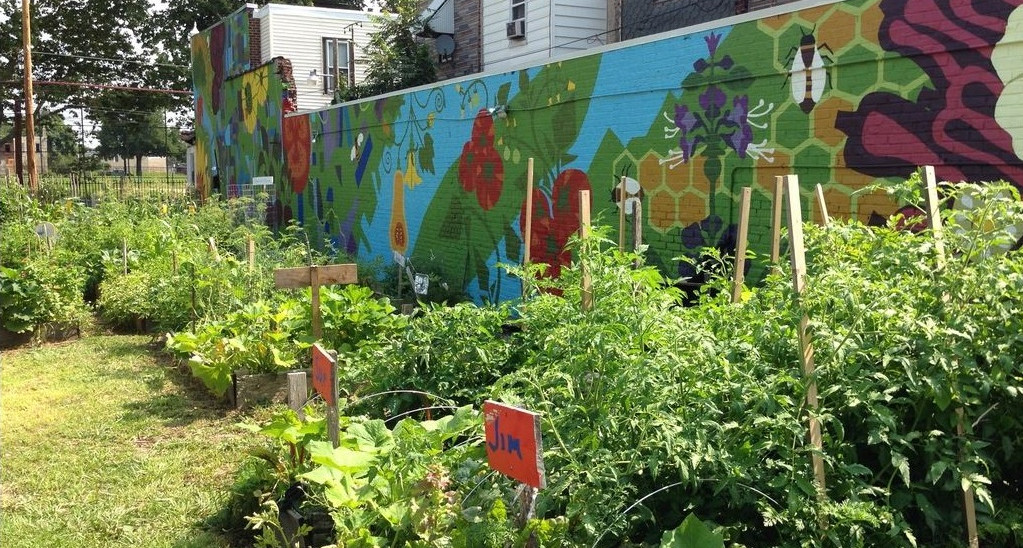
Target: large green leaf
{"type": "Point", "coordinates": [693, 533]}
{"type": "Point", "coordinates": [341, 458]}
{"type": "Point", "coordinates": [370, 436]}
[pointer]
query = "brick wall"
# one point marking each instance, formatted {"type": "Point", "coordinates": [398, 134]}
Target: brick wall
{"type": "Point", "coordinates": [468, 47]}
{"type": "Point", "coordinates": [255, 43]}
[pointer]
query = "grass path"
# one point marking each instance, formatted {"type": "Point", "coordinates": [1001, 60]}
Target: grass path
{"type": "Point", "coordinates": [105, 444]}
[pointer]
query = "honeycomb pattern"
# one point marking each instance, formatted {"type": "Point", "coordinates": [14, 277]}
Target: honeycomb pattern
{"type": "Point", "coordinates": [858, 66]}
{"type": "Point", "coordinates": [794, 140]}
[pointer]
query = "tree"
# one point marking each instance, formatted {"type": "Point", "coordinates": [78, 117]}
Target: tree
{"type": "Point", "coordinates": [396, 59]}
{"type": "Point", "coordinates": [76, 41]}
{"type": "Point", "coordinates": [133, 126]}
{"type": "Point", "coordinates": [63, 146]}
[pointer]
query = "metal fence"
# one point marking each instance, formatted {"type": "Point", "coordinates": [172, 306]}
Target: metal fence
{"type": "Point", "coordinates": [92, 189]}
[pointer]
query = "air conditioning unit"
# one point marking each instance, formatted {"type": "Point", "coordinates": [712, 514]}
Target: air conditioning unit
{"type": "Point", "coordinates": [517, 28]}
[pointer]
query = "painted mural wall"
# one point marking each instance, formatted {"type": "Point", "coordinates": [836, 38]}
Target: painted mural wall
{"type": "Point", "coordinates": [841, 94]}
{"type": "Point", "coordinates": [238, 108]}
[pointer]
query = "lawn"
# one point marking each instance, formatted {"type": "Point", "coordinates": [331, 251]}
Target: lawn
{"type": "Point", "coordinates": [106, 444]}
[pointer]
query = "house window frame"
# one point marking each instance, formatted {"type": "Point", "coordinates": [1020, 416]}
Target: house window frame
{"type": "Point", "coordinates": [518, 10]}
{"type": "Point", "coordinates": [333, 70]}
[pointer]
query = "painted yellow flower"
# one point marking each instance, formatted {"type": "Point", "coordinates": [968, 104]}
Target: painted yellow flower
{"type": "Point", "coordinates": [412, 177]}
{"type": "Point", "coordinates": [253, 96]}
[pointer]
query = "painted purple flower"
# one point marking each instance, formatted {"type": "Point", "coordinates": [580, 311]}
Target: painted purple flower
{"type": "Point", "coordinates": [738, 117]}
{"type": "Point", "coordinates": [726, 62]}
{"type": "Point", "coordinates": [740, 139]}
{"type": "Point", "coordinates": [712, 40]}
{"type": "Point", "coordinates": [684, 119]}
{"type": "Point", "coordinates": [712, 100]}
{"type": "Point", "coordinates": [688, 145]}
{"type": "Point", "coordinates": [700, 65]}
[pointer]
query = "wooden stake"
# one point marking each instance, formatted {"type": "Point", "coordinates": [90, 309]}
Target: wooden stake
{"type": "Point", "coordinates": [776, 202]}
{"type": "Point", "coordinates": [621, 214]}
{"type": "Point", "coordinates": [740, 247]}
{"type": "Point", "coordinates": [213, 248]}
{"type": "Point", "coordinates": [584, 235]}
{"type": "Point", "coordinates": [933, 215]}
{"type": "Point", "coordinates": [527, 231]}
{"type": "Point", "coordinates": [333, 428]}
{"type": "Point", "coordinates": [637, 229]}
{"type": "Point", "coordinates": [823, 207]}
{"type": "Point", "coordinates": [798, 256]}
{"type": "Point", "coordinates": [124, 255]}
{"type": "Point", "coordinates": [314, 283]}
{"type": "Point", "coordinates": [174, 262]}
{"type": "Point", "coordinates": [969, 506]}
{"type": "Point", "coordinates": [252, 253]}
{"type": "Point", "coordinates": [934, 220]}
{"type": "Point", "coordinates": [298, 392]}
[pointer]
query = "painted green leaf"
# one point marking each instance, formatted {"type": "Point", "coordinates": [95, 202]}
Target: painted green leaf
{"type": "Point", "coordinates": [502, 93]}
{"type": "Point", "coordinates": [426, 154]}
{"type": "Point", "coordinates": [739, 78]}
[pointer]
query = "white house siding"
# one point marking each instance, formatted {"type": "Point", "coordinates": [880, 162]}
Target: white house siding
{"type": "Point", "coordinates": [579, 24]}
{"type": "Point", "coordinates": [500, 52]}
{"type": "Point", "coordinates": [297, 33]}
{"type": "Point", "coordinates": [553, 27]}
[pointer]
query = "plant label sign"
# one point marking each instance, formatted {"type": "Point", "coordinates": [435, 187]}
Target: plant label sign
{"type": "Point", "coordinates": [514, 447]}
{"type": "Point", "coordinates": [324, 370]}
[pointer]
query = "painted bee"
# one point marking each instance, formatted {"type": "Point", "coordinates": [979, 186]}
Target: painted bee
{"type": "Point", "coordinates": [808, 75]}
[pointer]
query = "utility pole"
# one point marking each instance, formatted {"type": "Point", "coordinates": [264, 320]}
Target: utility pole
{"type": "Point", "coordinates": [30, 132]}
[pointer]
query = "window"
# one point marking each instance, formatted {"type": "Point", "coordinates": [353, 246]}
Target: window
{"type": "Point", "coordinates": [518, 10]}
{"type": "Point", "coordinates": [337, 64]}
{"type": "Point", "coordinates": [7, 147]}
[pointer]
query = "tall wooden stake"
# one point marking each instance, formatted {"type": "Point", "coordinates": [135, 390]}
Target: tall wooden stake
{"type": "Point", "coordinates": [30, 130]}
{"type": "Point", "coordinates": [252, 253]}
{"type": "Point", "coordinates": [934, 219]}
{"type": "Point", "coordinates": [314, 284]}
{"type": "Point", "coordinates": [584, 235]}
{"type": "Point", "coordinates": [740, 246]}
{"type": "Point", "coordinates": [527, 230]}
{"type": "Point", "coordinates": [124, 255]}
{"type": "Point", "coordinates": [933, 215]}
{"type": "Point", "coordinates": [805, 345]}
{"type": "Point", "coordinates": [621, 214]}
{"type": "Point", "coordinates": [776, 203]}
{"type": "Point", "coordinates": [823, 207]}
{"type": "Point", "coordinates": [637, 230]}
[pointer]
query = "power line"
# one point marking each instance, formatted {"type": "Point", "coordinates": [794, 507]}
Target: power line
{"type": "Point", "coordinates": [110, 59]}
{"type": "Point", "coordinates": [102, 86]}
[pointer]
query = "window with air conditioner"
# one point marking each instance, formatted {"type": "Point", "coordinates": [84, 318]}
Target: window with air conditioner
{"type": "Point", "coordinates": [337, 63]}
{"type": "Point", "coordinates": [517, 25]}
